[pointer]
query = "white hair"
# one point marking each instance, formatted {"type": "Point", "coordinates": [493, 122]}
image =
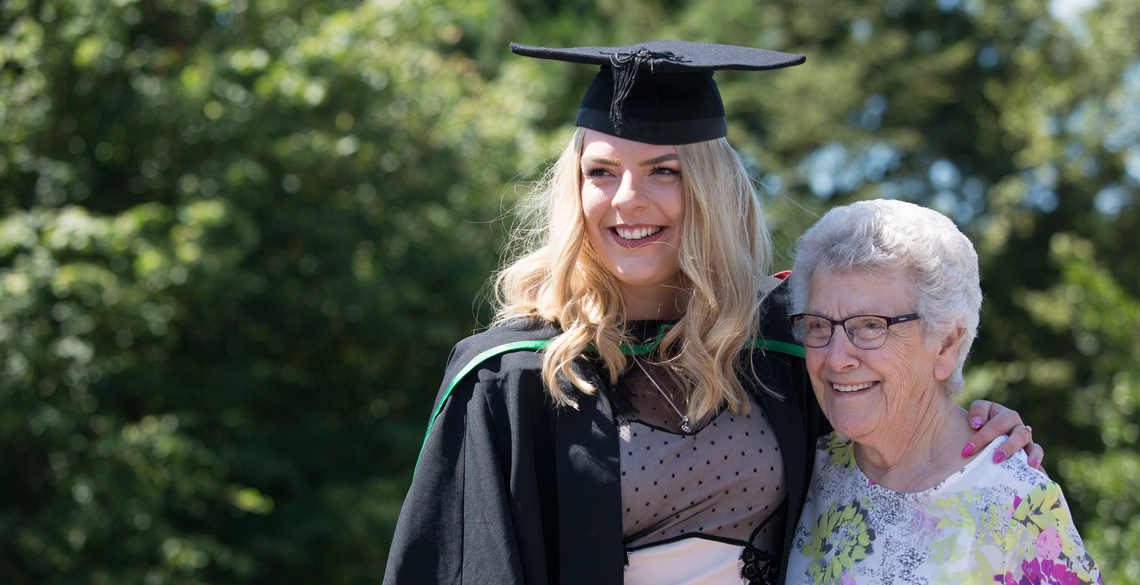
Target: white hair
{"type": "Point", "coordinates": [900, 238]}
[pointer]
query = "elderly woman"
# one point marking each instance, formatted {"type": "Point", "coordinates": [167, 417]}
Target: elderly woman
{"type": "Point", "coordinates": [639, 414]}
{"type": "Point", "coordinates": [886, 300]}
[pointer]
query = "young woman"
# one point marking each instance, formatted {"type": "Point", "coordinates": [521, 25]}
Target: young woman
{"type": "Point", "coordinates": [640, 412]}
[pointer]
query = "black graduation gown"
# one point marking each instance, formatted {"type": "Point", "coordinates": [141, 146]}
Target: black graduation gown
{"type": "Point", "coordinates": [510, 489]}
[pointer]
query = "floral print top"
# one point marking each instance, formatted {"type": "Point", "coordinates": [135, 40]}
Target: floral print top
{"type": "Point", "coordinates": [1001, 523]}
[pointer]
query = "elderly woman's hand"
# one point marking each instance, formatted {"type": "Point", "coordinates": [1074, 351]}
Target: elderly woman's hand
{"type": "Point", "coordinates": [991, 419]}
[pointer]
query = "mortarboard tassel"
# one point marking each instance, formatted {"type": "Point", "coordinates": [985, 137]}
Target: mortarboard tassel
{"type": "Point", "coordinates": [625, 66]}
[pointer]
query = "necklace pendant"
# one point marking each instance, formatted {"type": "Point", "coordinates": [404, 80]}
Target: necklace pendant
{"type": "Point", "coordinates": [685, 428]}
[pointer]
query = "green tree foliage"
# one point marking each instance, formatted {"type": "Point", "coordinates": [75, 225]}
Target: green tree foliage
{"type": "Point", "coordinates": [237, 239]}
{"type": "Point", "coordinates": [237, 242]}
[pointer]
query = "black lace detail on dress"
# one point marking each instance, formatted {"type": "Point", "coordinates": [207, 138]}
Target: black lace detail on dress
{"type": "Point", "coordinates": [760, 568]}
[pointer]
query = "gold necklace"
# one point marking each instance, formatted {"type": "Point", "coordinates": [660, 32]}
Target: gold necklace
{"type": "Point", "coordinates": [685, 428]}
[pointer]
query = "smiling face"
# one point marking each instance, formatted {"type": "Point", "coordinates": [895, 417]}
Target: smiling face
{"type": "Point", "coordinates": [633, 203]}
{"type": "Point", "coordinates": [871, 395]}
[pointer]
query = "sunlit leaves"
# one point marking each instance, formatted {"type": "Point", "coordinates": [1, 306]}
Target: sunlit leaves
{"type": "Point", "coordinates": [238, 238]}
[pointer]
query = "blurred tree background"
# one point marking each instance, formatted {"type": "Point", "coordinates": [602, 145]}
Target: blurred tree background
{"type": "Point", "coordinates": [238, 239]}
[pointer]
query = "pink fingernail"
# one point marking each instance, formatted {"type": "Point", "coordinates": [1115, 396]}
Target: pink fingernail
{"type": "Point", "coordinates": [976, 422]}
{"type": "Point", "coordinates": [1034, 462]}
{"type": "Point", "coordinates": [998, 456]}
{"type": "Point", "coordinates": [968, 450]}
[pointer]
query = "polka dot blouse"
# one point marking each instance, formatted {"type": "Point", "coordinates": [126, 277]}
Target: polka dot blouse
{"type": "Point", "coordinates": [724, 481]}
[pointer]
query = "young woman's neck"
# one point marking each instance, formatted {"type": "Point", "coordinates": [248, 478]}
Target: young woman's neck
{"type": "Point", "coordinates": [644, 303]}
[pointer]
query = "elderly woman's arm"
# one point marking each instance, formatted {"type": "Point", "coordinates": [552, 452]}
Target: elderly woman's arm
{"type": "Point", "coordinates": [991, 420]}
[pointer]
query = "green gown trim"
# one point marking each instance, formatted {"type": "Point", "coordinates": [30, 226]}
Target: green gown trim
{"type": "Point", "coordinates": [627, 349]}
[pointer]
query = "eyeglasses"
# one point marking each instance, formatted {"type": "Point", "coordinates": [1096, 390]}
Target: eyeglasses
{"type": "Point", "coordinates": [864, 331]}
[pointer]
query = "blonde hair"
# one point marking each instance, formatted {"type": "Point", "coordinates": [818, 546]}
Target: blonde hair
{"type": "Point", "coordinates": [724, 255]}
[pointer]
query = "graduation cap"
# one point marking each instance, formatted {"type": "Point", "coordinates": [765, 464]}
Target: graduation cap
{"type": "Point", "coordinates": [659, 92]}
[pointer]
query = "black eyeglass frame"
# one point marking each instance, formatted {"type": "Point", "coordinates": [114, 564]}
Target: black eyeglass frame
{"type": "Point", "coordinates": [843, 323]}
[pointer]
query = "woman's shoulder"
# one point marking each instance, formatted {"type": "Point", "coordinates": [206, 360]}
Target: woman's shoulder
{"type": "Point", "coordinates": [1014, 474]}
{"type": "Point", "coordinates": [499, 367]}
{"type": "Point", "coordinates": [511, 331]}
{"type": "Point", "coordinates": [520, 335]}
{"type": "Point", "coordinates": [1011, 484]}
{"type": "Point", "coordinates": [1028, 510]}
